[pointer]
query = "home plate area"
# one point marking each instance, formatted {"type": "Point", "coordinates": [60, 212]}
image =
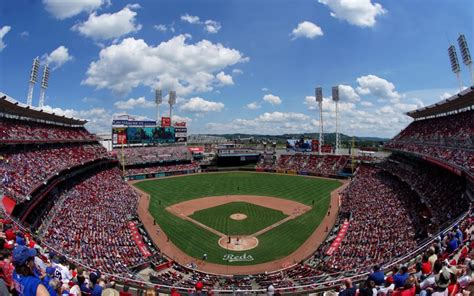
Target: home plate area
{"type": "Point", "coordinates": [243, 243]}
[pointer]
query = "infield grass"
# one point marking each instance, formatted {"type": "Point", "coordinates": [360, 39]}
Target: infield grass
{"type": "Point", "coordinates": [274, 244]}
{"type": "Point", "coordinates": [258, 218]}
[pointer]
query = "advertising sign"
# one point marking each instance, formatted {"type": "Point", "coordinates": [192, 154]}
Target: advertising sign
{"type": "Point", "coordinates": [165, 121]}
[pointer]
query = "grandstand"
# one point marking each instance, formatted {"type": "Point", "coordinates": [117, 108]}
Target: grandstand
{"type": "Point", "coordinates": [62, 190]}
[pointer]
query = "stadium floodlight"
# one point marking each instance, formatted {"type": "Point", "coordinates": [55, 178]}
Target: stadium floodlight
{"type": "Point", "coordinates": [335, 98]}
{"type": "Point", "coordinates": [44, 85]}
{"type": "Point", "coordinates": [319, 99]}
{"type": "Point", "coordinates": [465, 54]}
{"type": "Point", "coordinates": [158, 101]}
{"type": "Point", "coordinates": [171, 101]}
{"type": "Point", "coordinates": [453, 58]}
{"type": "Point", "coordinates": [33, 79]}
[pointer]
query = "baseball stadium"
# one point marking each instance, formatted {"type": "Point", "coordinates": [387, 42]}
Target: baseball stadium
{"type": "Point", "coordinates": [152, 204]}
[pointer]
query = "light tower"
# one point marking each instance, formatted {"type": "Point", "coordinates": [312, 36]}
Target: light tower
{"type": "Point", "coordinates": [171, 101]}
{"type": "Point", "coordinates": [466, 56]}
{"type": "Point", "coordinates": [44, 85]}
{"type": "Point", "coordinates": [158, 101]}
{"type": "Point", "coordinates": [453, 58]}
{"type": "Point", "coordinates": [33, 78]}
{"type": "Point", "coordinates": [319, 99]}
{"type": "Point", "coordinates": [335, 98]}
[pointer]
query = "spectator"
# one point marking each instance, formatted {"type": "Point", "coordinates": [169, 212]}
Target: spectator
{"type": "Point", "coordinates": [26, 282]}
{"type": "Point", "coordinates": [377, 276]}
{"type": "Point", "coordinates": [349, 289]}
{"type": "Point", "coordinates": [400, 277]}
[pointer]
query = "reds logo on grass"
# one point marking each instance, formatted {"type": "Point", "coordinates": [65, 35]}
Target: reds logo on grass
{"type": "Point", "coordinates": [237, 258]}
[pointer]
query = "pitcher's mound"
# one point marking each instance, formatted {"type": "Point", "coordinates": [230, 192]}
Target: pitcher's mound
{"type": "Point", "coordinates": [238, 216]}
{"type": "Point", "coordinates": [238, 243]}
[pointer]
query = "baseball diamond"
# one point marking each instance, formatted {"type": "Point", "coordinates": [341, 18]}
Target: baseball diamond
{"type": "Point", "coordinates": [282, 212]}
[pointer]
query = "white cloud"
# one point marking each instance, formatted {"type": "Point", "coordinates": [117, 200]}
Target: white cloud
{"type": "Point", "coordinates": [3, 31]}
{"type": "Point", "coordinates": [445, 95]}
{"type": "Point", "coordinates": [266, 123]}
{"type": "Point", "coordinates": [212, 26]}
{"type": "Point", "coordinates": [24, 35]}
{"type": "Point", "coordinates": [237, 71]}
{"type": "Point", "coordinates": [361, 13]}
{"type": "Point", "coordinates": [178, 118]}
{"type": "Point", "coordinates": [282, 117]}
{"type": "Point", "coordinates": [161, 28]}
{"type": "Point", "coordinates": [190, 19]}
{"type": "Point", "coordinates": [347, 93]}
{"type": "Point", "coordinates": [366, 104]}
{"type": "Point", "coordinates": [272, 99]}
{"type": "Point", "coordinates": [378, 87]}
{"type": "Point", "coordinates": [109, 25]}
{"type": "Point", "coordinates": [62, 9]}
{"type": "Point", "coordinates": [253, 106]}
{"type": "Point", "coordinates": [140, 102]}
{"type": "Point", "coordinates": [265, 89]}
{"type": "Point", "coordinates": [199, 105]}
{"type": "Point", "coordinates": [307, 30]}
{"type": "Point", "coordinates": [224, 79]}
{"type": "Point", "coordinates": [58, 57]}
{"type": "Point", "coordinates": [173, 64]}
{"type": "Point", "coordinates": [99, 120]}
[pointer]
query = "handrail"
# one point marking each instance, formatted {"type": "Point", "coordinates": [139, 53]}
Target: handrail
{"type": "Point", "coordinates": [305, 287]}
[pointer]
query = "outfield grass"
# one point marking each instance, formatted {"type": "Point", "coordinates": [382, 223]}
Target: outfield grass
{"type": "Point", "coordinates": [219, 219]}
{"type": "Point", "coordinates": [274, 244]}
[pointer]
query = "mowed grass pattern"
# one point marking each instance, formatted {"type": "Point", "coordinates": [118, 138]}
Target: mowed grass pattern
{"type": "Point", "coordinates": [274, 244]}
{"type": "Point", "coordinates": [219, 219]}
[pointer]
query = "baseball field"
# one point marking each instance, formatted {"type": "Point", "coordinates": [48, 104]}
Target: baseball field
{"type": "Point", "coordinates": [279, 230]}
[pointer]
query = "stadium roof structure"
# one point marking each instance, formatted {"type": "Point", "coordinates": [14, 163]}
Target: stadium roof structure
{"type": "Point", "coordinates": [9, 106]}
{"type": "Point", "coordinates": [462, 100]}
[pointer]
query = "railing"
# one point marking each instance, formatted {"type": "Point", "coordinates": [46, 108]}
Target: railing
{"type": "Point", "coordinates": [300, 288]}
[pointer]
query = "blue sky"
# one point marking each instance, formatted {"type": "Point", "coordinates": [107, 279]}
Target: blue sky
{"type": "Point", "coordinates": [237, 66]}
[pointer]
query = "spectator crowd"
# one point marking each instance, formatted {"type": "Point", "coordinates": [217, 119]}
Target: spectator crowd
{"type": "Point", "coordinates": [154, 169]}
{"type": "Point", "coordinates": [153, 154]}
{"type": "Point", "coordinates": [449, 138]}
{"type": "Point", "coordinates": [327, 165]}
{"type": "Point", "coordinates": [100, 207]}
{"type": "Point", "coordinates": [24, 169]}
{"type": "Point", "coordinates": [32, 131]}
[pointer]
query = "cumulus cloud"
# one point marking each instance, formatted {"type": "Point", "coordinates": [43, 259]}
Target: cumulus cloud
{"type": "Point", "coordinates": [3, 31]}
{"type": "Point", "coordinates": [445, 96]}
{"type": "Point", "coordinates": [110, 25]}
{"type": "Point", "coordinates": [307, 30]}
{"type": "Point", "coordinates": [210, 26]}
{"type": "Point", "coordinates": [253, 106]}
{"type": "Point", "coordinates": [266, 123]}
{"type": "Point", "coordinates": [346, 92]}
{"type": "Point", "coordinates": [190, 19]}
{"type": "Point", "coordinates": [161, 28]}
{"type": "Point", "coordinates": [237, 71]}
{"type": "Point", "coordinates": [57, 57]}
{"type": "Point", "coordinates": [99, 119]}
{"type": "Point", "coordinates": [265, 89]}
{"type": "Point", "coordinates": [272, 99]}
{"type": "Point", "coordinates": [62, 9]}
{"type": "Point", "coordinates": [361, 13]}
{"type": "Point", "coordinates": [178, 118]}
{"type": "Point", "coordinates": [366, 104]}
{"type": "Point", "coordinates": [131, 103]}
{"type": "Point", "coordinates": [378, 87]}
{"type": "Point", "coordinates": [224, 79]}
{"type": "Point", "coordinates": [200, 105]}
{"type": "Point", "coordinates": [173, 64]}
